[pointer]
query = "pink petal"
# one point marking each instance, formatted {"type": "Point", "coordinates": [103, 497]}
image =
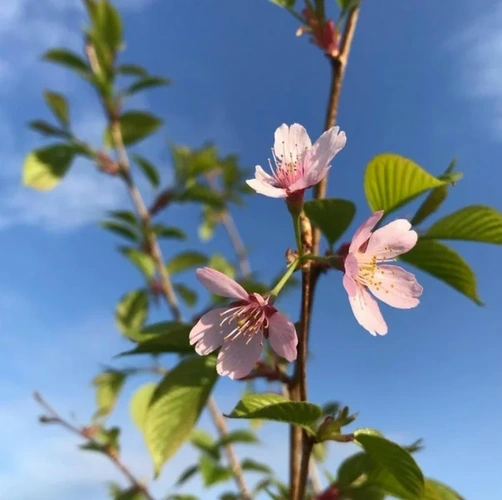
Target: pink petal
{"type": "Point", "coordinates": [392, 239]}
{"type": "Point", "coordinates": [238, 356]}
{"type": "Point", "coordinates": [396, 287]}
{"type": "Point", "coordinates": [207, 334]}
{"type": "Point", "coordinates": [266, 189]}
{"type": "Point", "coordinates": [282, 336]}
{"type": "Point", "coordinates": [350, 285]}
{"type": "Point", "coordinates": [291, 142]}
{"type": "Point", "coordinates": [364, 231]}
{"type": "Point", "coordinates": [367, 312]}
{"type": "Point", "coordinates": [262, 176]}
{"type": "Point", "coordinates": [221, 284]}
{"type": "Point", "coordinates": [351, 265]}
{"type": "Point", "coordinates": [318, 158]}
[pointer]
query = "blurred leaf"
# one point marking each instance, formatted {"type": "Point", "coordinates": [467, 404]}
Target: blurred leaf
{"type": "Point", "coordinates": [132, 311]}
{"type": "Point", "coordinates": [182, 497]}
{"type": "Point", "coordinates": [187, 474]}
{"type": "Point", "coordinates": [159, 338]}
{"type": "Point", "coordinates": [320, 451]}
{"type": "Point", "coordinates": [70, 60]}
{"type": "Point", "coordinates": [391, 181]}
{"type": "Point", "coordinates": [253, 466]}
{"type": "Point", "coordinates": [146, 82]}
{"type": "Point", "coordinates": [189, 164]}
{"type": "Point", "coordinates": [176, 406]}
{"type": "Point", "coordinates": [139, 403]}
{"type": "Point", "coordinates": [188, 295]}
{"type": "Point", "coordinates": [168, 232]}
{"type": "Point", "coordinates": [59, 106]}
{"type": "Point", "coordinates": [472, 223]}
{"type": "Point", "coordinates": [433, 200]}
{"type": "Point", "coordinates": [130, 494]}
{"type": "Point", "coordinates": [202, 194]}
{"type": "Point", "coordinates": [108, 386]}
{"type": "Point", "coordinates": [132, 70]}
{"type": "Point", "coordinates": [44, 168]}
{"type": "Point", "coordinates": [148, 170]}
{"type": "Point", "coordinates": [125, 216]}
{"type": "Point", "coordinates": [277, 408]}
{"type": "Point", "coordinates": [434, 490]}
{"type": "Point", "coordinates": [352, 468]}
{"type": "Point", "coordinates": [238, 436]}
{"type": "Point", "coordinates": [203, 441]}
{"type": "Point", "coordinates": [218, 262]}
{"type": "Point", "coordinates": [108, 25]}
{"type": "Point", "coordinates": [332, 216]}
{"type": "Point", "coordinates": [365, 492]}
{"type": "Point", "coordinates": [121, 230]}
{"type": "Point", "coordinates": [330, 408]}
{"type": "Point", "coordinates": [184, 261]}
{"type": "Point", "coordinates": [141, 260]}
{"type": "Point", "coordinates": [399, 467]}
{"type": "Point", "coordinates": [46, 129]}
{"type": "Point", "coordinates": [210, 219]}
{"type": "Point", "coordinates": [287, 4]}
{"type": "Point", "coordinates": [135, 126]}
{"type": "Point", "coordinates": [445, 264]}
{"type": "Point", "coordinates": [212, 473]}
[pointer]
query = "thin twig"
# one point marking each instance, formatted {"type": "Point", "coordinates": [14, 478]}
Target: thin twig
{"type": "Point", "coordinates": [304, 467]}
{"type": "Point", "coordinates": [54, 417]}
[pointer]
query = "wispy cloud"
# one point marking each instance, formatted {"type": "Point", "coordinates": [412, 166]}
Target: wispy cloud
{"type": "Point", "coordinates": [479, 47]}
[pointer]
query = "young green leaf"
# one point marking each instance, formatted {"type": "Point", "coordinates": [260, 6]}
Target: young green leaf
{"type": "Point", "coordinates": [238, 436]}
{"type": "Point", "coordinates": [332, 216]}
{"type": "Point", "coordinates": [176, 406]}
{"type": "Point", "coordinates": [135, 126]}
{"type": "Point", "coordinates": [203, 441]}
{"type": "Point", "coordinates": [399, 469]}
{"type": "Point", "coordinates": [125, 216]}
{"type": "Point", "coordinates": [59, 106]}
{"type": "Point", "coordinates": [170, 232]}
{"type": "Point", "coordinates": [434, 490]}
{"type": "Point", "coordinates": [184, 261]}
{"type": "Point", "coordinates": [188, 295]}
{"type": "Point", "coordinates": [132, 70]}
{"type": "Point", "coordinates": [391, 181]}
{"type": "Point", "coordinates": [70, 60]}
{"type": "Point", "coordinates": [202, 194]}
{"type": "Point", "coordinates": [139, 403]}
{"type": "Point", "coordinates": [472, 223]}
{"type": "Point", "coordinates": [148, 169]}
{"type": "Point", "coordinates": [277, 408]}
{"type": "Point", "coordinates": [250, 465]}
{"type": "Point", "coordinates": [218, 262]}
{"type": "Point", "coordinates": [141, 260]}
{"type": "Point", "coordinates": [132, 311]}
{"type": "Point", "coordinates": [43, 169]}
{"type": "Point", "coordinates": [146, 82]}
{"type": "Point", "coordinates": [108, 25]}
{"type": "Point", "coordinates": [211, 472]}
{"type": "Point", "coordinates": [108, 386]}
{"type": "Point", "coordinates": [445, 264]}
{"type": "Point", "coordinates": [46, 129]}
{"type": "Point", "coordinates": [120, 229]}
{"type": "Point", "coordinates": [352, 468]}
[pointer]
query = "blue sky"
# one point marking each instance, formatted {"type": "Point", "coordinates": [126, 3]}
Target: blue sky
{"type": "Point", "coordinates": [423, 81]}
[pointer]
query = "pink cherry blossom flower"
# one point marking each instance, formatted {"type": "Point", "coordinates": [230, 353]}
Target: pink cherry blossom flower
{"type": "Point", "coordinates": [366, 269]}
{"type": "Point", "coordinates": [240, 328]}
{"type": "Point", "coordinates": [298, 164]}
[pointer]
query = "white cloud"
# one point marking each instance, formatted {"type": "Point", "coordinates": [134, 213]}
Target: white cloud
{"type": "Point", "coordinates": [480, 46]}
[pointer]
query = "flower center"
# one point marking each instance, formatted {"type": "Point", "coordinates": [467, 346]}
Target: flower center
{"type": "Point", "coordinates": [368, 267]}
{"type": "Point", "coordinates": [247, 318]}
{"type": "Point", "coordinates": [288, 166]}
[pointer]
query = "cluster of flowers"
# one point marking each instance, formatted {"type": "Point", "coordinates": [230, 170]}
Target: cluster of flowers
{"type": "Point", "coordinates": [240, 328]}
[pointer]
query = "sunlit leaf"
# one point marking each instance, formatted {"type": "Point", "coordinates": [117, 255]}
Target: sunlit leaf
{"type": "Point", "coordinates": [59, 106]}
{"type": "Point", "coordinates": [108, 386]}
{"type": "Point", "coordinates": [132, 311]}
{"type": "Point", "coordinates": [184, 261]}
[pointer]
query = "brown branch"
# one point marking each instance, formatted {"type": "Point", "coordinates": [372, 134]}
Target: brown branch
{"type": "Point", "coordinates": [54, 417]}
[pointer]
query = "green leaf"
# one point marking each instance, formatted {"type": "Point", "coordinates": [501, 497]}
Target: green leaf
{"type": "Point", "coordinates": [184, 261]}
{"type": "Point", "coordinates": [238, 436]}
{"type": "Point", "coordinates": [203, 441]}
{"type": "Point", "coordinates": [132, 311]}
{"type": "Point", "coordinates": [286, 4]}
{"type": "Point", "coordinates": [108, 25]}
{"type": "Point", "coordinates": [125, 216]}
{"type": "Point", "coordinates": [139, 403]}
{"type": "Point", "coordinates": [108, 386]}
{"type": "Point", "coordinates": [212, 473]}
{"type": "Point", "coordinates": [189, 164]}
{"type": "Point", "coordinates": [399, 467]}
{"type": "Point", "coordinates": [202, 194]}
{"type": "Point", "coordinates": [218, 262]}
{"type": "Point", "coordinates": [141, 260]}
{"type": "Point", "coordinates": [159, 338]}
{"type": "Point", "coordinates": [391, 181]}
{"type": "Point", "coordinates": [59, 106]}
{"type": "Point", "coordinates": [277, 408]}
{"type": "Point", "coordinates": [148, 170]}
{"type": "Point", "coordinates": [352, 468]}
{"type": "Point", "coordinates": [176, 406]}
{"type": "Point", "coordinates": [445, 264]}
{"type": "Point", "coordinates": [129, 494]}
{"type": "Point", "coordinates": [210, 219]}
{"type": "Point", "coordinates": [365, 492]}
{"type": "Point", "coordinates": [168, 232]}
{"type": "Point", "coordinates": [46, 129]}
{"type": "Point", "coordinates": [43, 169]}
{"type": "Point", "coordinates": [132, 70]}
{"type": "Point", "coordinates": [187, 474]}
{"type": "Point", "coordinates": [70, 60]}
{"type": "Point", "coordinates": [147, 82]}
{"type": "Point", "coordinates": [473, 223]}
{"type": "Point", "coordinates": [135, 126]}
{"type": "Point", "coordinates": [188, 295]}
{"type": "Point", "coordinates": [433, 200]}
{"type": "Point", "coordinates": [120, 229]}
{"type": "Point", "coordinates": [320, 451]}
{"type": "Point", "coordinates": [434, 490]}
{"type": "Point", "coordinates": [253, 466]}
{"type": "Point", "coordinates": [332, 216]}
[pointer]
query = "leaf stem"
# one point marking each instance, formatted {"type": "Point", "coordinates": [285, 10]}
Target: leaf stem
{"type": "Point", "coordinates": [280, 284]}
